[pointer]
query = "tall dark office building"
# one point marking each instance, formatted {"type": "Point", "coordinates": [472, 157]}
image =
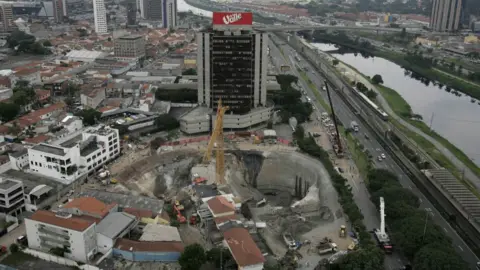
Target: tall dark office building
{"type": "Point", "coordinates": [151, 9]}
{"type": "Point", "coordinates": [232, 63]}
{"type": "Point", "coordinates": [131, 13]}
{"type": "Point", "coordinates": [446, 15]}
{"type": "Point", "coordinates": [169, 14]}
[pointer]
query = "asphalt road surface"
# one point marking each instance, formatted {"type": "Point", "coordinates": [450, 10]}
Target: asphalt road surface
{"type": "Point", "coordinates": [394, 261]}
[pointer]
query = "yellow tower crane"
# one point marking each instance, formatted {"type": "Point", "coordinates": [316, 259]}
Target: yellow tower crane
{"type": "Point", "coordinates": [217, 140]}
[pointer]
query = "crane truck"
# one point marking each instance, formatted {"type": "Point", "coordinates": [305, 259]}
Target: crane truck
{"type": "Point", "coordinates": [380, 234]}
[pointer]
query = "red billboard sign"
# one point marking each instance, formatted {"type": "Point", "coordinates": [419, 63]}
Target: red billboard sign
{"type": "Point", "coordinates": [232, 18]}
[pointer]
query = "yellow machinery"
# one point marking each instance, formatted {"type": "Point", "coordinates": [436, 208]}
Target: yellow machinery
{"type": "Point", "coordinates": [217, 141]}
{"type": "Point", "coordinates": [343, 231]}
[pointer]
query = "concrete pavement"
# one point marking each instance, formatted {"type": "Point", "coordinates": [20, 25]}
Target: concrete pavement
{"type": "Point", "coordinates": [12, 236]}
{"type": "Point", "coordinates": [361, 194]}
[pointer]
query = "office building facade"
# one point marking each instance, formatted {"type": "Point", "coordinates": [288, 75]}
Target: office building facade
{"type": "Point", "coordinates": [169, 14]}
{"type": "Point", "coordinates": [100, 16]}
{"type": "Point", "coordinates": [12, 201]}
{"type": "Point", "coordinates": [130, 47]}
{"type": "Point", "coordinates": [446, 15]}
{"type": "Point", "coordinates": [232, 62]}
{"type": "Point", "coordinates": [151, 9]}
{"type": "Point", "coordinates": [131, 13]}
{"type": "Point", "coordinates": [232, 65]}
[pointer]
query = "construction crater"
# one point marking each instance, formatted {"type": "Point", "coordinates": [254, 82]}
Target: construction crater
{"type": "Point", "coordinates": [287, 194]}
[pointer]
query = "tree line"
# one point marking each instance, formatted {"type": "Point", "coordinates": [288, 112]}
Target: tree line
{"type": "Point", "coordinates": [411, 229]}
{"type": "Point", "coordinates": [288, 99]}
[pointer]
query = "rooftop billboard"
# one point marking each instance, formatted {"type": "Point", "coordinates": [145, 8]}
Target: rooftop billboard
{"type": "Point", "coordinates": [232, 18]}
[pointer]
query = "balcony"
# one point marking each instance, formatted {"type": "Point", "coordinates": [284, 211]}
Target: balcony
{"type": "Point", "coordinates": [53, 233]}
{"type": "Point", "coordinates": [55, 240]}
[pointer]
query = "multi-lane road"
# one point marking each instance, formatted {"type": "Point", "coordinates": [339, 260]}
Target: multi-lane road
{"type": "Point", "coordinates": [360, 192]}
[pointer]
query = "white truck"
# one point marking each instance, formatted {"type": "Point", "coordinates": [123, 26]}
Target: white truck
{"type": "Point", "coordinates": [290, 241]}
{"type": "Point", "coordinates": [354, 126]}
{"type": "Point", "coordinates": [326, 248]}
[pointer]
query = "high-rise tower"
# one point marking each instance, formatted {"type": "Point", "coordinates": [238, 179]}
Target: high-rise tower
{"type": "Point", "coordinates": [169, 13]}
{"type": "Point", "coordinates": [100, 16]}
{"type": "Point", "coordinates": [446, 15]}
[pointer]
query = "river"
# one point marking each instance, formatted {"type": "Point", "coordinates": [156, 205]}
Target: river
{"type": "Point", "coordinates": [453, 117]}
{"type": "Point", "coordinates": [184, 7]}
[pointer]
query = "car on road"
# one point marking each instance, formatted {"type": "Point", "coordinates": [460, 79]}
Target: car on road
{"type": "Point", "coordinates": [379, 158]}
{"type": "Point", "coordinates": [383, 156]}
{"type": "Point", "coordinates": [366, 137]}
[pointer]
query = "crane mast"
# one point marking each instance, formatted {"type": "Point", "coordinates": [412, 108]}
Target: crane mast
{"type": "Point", "coordinates": [217, 141]}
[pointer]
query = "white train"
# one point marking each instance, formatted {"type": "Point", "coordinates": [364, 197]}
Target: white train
{"type": "Point", "coordinates": [370, 103]}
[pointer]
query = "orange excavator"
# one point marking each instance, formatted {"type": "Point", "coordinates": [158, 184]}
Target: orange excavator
{"type": "Point", "coordinates": [178, 209]}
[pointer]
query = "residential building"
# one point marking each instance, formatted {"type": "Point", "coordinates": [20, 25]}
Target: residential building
{"type": "Point", "coordinates": [76, 236]}
{"type": "Point", "coordinates": [5, 92]}
{"type": "Point", "coordinates": [18, 159]}
{"type": "Point", "coordinates": [232, 62]}
{"type": "Point", "coordinates": [130, 47]}
{"type": "Point", "coordinates": [91, 98]}
{"type": "Point", "coordinates": [244, 251]}
{"type": "Point", "coordinates": [446, 15]}
{"type": "Point", "coordinates": [6, 17]}
{"type": "Point", "coordinates": [89, 206]}
{"type": "Point", "coordinates": [113, 227]}
{"type": "Point", "coordinates": [100, 16]}
{"type": "Point", "coordinates": [169, 14]}
{"type": "Point", "coordinates": [31, 75]}
{"type": "Point", "coordinates": [58, 10]}
{"type": "Point", "coordinates": [12, 200]}
{"type": "Point", "coordinates": [73, 156]}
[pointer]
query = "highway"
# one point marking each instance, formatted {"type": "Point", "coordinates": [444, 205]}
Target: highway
{"type": "Point", "coordinates": [286, 28]}
{"type": "Point", "coordinates": [360, 193]}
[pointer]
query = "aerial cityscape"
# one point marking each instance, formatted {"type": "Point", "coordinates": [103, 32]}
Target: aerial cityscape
{"type": "Point", "coordinates": [221, 134]}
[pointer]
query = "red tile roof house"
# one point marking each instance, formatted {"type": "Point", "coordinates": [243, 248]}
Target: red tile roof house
{"type": "Point", "coordinates": [37, 116]}
{"type": "Point", "coordinates": [246, 253]}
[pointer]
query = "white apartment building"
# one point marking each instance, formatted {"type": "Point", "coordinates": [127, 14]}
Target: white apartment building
{"type": "Point", "coordinates": [73, 156]}
{"type": "Point", "coordinates": [100, 16]}
{"type": "Point", "coordinates": [12, 200]}
{"type": "Point", "coordinates": [76, 236]}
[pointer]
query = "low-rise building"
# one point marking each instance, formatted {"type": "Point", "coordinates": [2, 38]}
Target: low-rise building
{"type": "Point", "coordinates": [89, 206]}
{"type": "Point", "coordinates": [114, 226]}
{"type": "Point", "coordinates": [220, 206]}
{"type": "Point", "coordinates": [244, 251]}
{"type": "Point", "coordinates": [71, 157]}
{"type": "Point", "coordinates": [76, 236]}
{"type": "Point", "coordinates": [12, 200]}
{"type": "Point", "coordinates": [91, 98]}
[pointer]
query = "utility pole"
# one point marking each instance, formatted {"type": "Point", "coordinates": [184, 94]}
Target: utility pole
{"type": "Point", "coordinates": [431, 120]}
{"type": "Point", "coordinates": [334, 118]}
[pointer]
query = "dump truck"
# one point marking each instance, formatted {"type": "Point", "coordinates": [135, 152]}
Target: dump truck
{"type": "Point", "coordinates": [289, 241]}
{"type": "Point", "coordinates": [325, 248]}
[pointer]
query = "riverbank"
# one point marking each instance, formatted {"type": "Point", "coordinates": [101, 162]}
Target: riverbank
{"type": "Point", "coordinates": [432, 74]}
{"type": "Point", "coordinates": [402, 109]}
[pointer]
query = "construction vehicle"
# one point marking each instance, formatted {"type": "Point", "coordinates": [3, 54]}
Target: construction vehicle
{"type": "Point", "coordinates": [343, 231]}
{"type": "Point", "coordinates": [325, 248]}
{"type": "Point", "coordinates": [217, 140]}
{"type": "Point", "coordinates": [113, 181]}
{"type": "Point", "coordinates": [380, 234]}
{"type": "Point", "coordinates": [178, 208]}
{"type": "Point", "coordinates": [257, 140]}
{"type": "Point", "coordinates": [290, 241]}
{"type": "Point", "coordinates": [352, 246]}
{"type": "Point", "coordinates": [193, 219]}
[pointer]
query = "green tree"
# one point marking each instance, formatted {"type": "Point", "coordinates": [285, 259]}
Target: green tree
{"type": "Point", "coordinates": [8, 111]}
{"type": "Point", "coordinates": [190, 71]}
{"type": "Point", "coordinates": [47, 43]}
{"type": "Point", "coordinates": [219, 255]}
{"type": "Point", "coordinates": [377, 79]}
{"type": "Point", "coordinates": [23, 94]}
{"type": "Point", "coordinates": [14, 248]}
{"type": "Point", "coordinates": [335, 62]}
{"type": "Point", "coordinates": [371, 94]}
{"type": "Point", "coordinates": [365, 259]}
{"type": "Point", "coordinates": [438, 257]}
{"type": "Point", "coordinates": [411, 234]}
{"type": "Point", "coordinates": [89, 116]}
{"type": "Point", "coordinates": [192, 257]}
